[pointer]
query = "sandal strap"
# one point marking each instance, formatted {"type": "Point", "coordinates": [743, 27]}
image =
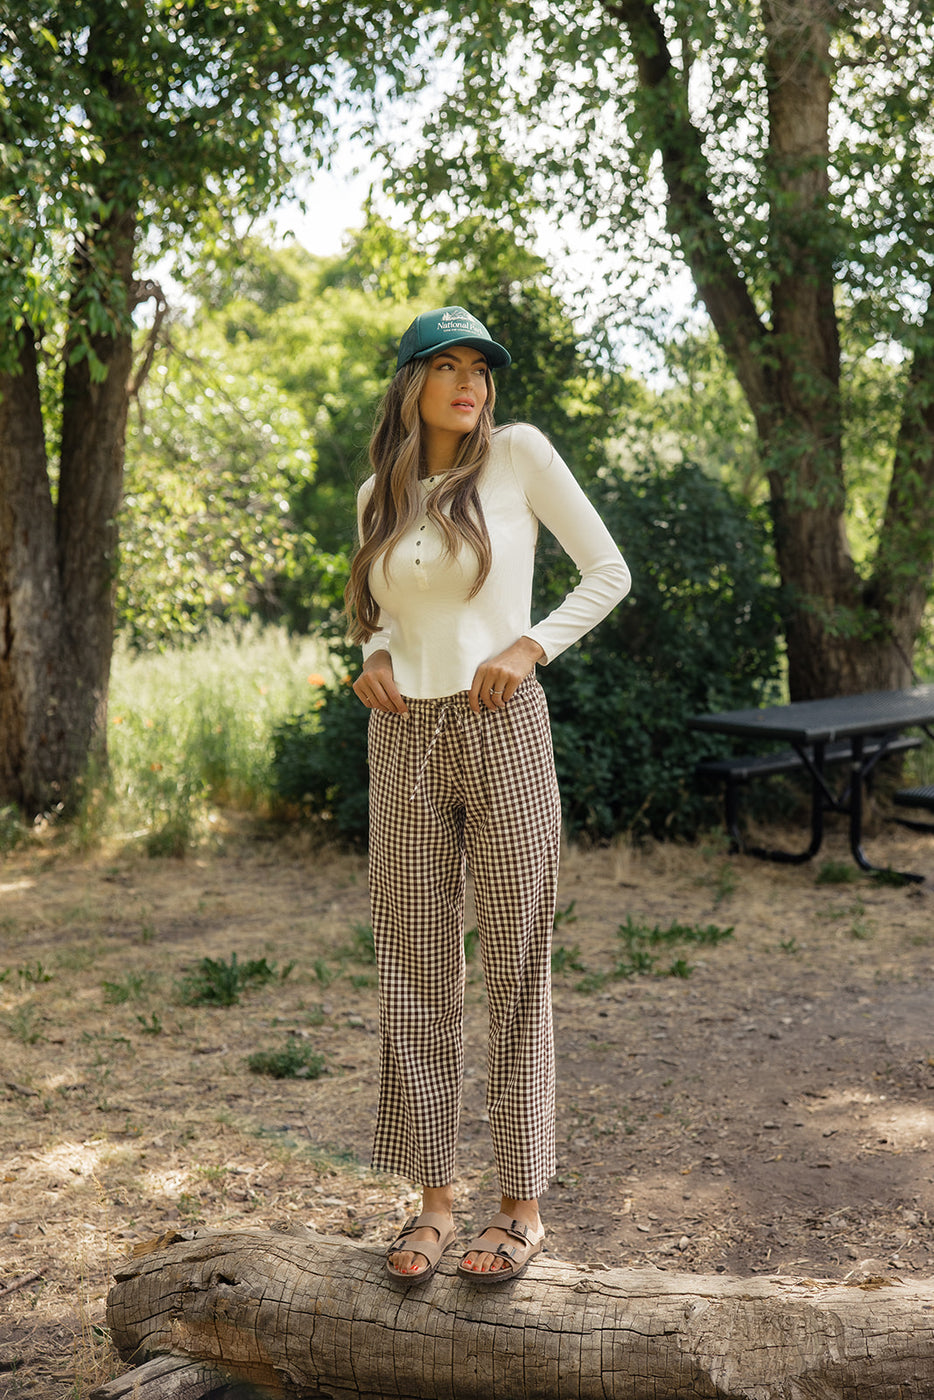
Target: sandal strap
{"type": "Point", "coordinates": [514, 1228]}
{"type": "Point", "coordinates": [431, 1249]}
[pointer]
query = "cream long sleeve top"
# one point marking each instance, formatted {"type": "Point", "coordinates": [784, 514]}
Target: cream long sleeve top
{"type": "Point", "coordinates": [435, 634]}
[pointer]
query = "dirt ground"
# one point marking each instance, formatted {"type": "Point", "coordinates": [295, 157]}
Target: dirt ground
{"type": "Point", "coordinates": [770, 1110]}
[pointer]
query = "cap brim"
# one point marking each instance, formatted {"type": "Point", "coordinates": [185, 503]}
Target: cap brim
{"type": "Point", "coordinates": [497, 356]}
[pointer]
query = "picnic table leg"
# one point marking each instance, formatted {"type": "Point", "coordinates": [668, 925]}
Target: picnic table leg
{"type": "Point", "coordinates": [858, 772]}
{"type": "Point", "coordinates": [731, 814]}
{"type": "Point", "coordinates": [815, 766]}
{"type": "Point", "coordinates": [818, 804]}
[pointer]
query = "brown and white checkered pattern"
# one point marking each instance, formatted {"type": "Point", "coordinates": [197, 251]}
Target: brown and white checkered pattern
{"type": "Point", "coordinates": [449, 786]}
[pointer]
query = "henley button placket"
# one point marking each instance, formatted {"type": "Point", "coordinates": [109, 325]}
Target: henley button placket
{"type": "Point", "coordinates": [422, 580]}
{"type": "Point", "coordinates": [420, 574]}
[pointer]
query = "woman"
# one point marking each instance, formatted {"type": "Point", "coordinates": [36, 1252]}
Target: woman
{"type": "Point", "coordinates": [461, 767]}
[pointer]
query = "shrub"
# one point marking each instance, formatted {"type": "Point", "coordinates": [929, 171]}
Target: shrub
{"type": "Point", "coordinates": [12, 830]}
{"type": "Point", "coordinates": [319, 763]}
{"type": "Point", "coordinates": [700, 632]}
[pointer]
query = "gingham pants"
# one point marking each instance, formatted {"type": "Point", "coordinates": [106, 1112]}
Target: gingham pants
{"type": "Point", "coordinates": [448, 785]}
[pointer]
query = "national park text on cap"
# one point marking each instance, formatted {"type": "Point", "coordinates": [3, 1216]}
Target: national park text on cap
{"type": "Point", "coordinates": [449, 325]}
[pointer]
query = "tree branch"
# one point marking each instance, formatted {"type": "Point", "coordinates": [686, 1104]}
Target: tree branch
{"type": "Point", "coordinates": [140, 292]}
{"type": "Point", "coordinates": [691, 215]}
{"type": "Point", "coordinates": [803, 237]}
{"type": "Point", "coordinates": [20, 1283]}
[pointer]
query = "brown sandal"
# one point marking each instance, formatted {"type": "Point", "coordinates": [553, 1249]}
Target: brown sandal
{"type": "Point", "coordinates": [431, 1250]}
{"type": "Point", "coordinates": [517, 1256]}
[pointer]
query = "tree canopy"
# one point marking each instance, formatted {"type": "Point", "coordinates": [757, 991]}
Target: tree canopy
{"type": "Point", "coordinates": [782, 152]}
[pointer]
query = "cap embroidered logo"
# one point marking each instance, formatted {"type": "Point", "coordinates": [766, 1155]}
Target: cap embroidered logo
{"type": "Point", "coordinates": [449, 325]}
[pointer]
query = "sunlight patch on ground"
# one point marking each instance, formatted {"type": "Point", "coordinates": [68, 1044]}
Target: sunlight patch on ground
{"type": "Point", "coordinates": [11, 886]}
{"type": "Point", "coordinates": [66, 1079]}
{"type": "Point", "coordinates": [900, 1127]}
{"type": "Point", "coordinates": [836, 1099]}
{"type": "Point", "coordinates": [168, 1183]}
{"type": "Point", "coordinates": [79, 1158]}
{"type": "Point", "coordinates": [911, 1124]}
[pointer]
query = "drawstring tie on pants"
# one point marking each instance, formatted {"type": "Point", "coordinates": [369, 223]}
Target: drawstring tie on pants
{"type": "Point", "coordinates": [434, 739]}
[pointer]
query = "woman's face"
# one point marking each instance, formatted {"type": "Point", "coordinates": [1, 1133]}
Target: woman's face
{"type": "Point", "coordinates": [455, 391]}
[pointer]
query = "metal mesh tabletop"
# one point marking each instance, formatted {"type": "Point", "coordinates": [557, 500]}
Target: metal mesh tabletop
{"type": "Point", "coordinates": [822, 721]}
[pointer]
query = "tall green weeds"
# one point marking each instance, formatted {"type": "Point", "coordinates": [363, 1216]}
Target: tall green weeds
{"type": "Point", "coordinates": [189, 734]}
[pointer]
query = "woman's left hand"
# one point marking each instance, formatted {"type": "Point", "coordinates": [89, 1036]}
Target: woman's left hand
{"type": "Point", "coordinates": [497, 680]}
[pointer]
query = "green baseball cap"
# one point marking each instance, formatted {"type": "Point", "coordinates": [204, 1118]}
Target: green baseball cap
{"type": "Point", "coordinates": [449, 325]}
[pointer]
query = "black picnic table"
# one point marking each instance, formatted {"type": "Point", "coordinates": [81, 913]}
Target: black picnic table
{"type": "Point", "coordinates": [810, 725]}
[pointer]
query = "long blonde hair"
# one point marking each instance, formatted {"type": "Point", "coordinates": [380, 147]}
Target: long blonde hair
{"type": "Point", "coordinates": [396, 500]}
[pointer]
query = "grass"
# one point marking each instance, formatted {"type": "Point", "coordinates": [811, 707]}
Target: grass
{"type": "Point", "coordinates": [297, 1060]}
{"type": "Point", "coordinates": [132, 987]}
{"type": "Point", "coordinates": [565, 916]}
{"type": "Point", "coordinates": [151, 1025]}
{"type": "Point", "coordinates": [722, 881]}
{"type": "Point", "coordinates": [23, 1024]}
{"type": "Point", "coordinates": [362, 948]}
{"type": "Point", "coordinates": [13, 830]}
{"type": "Point", "coordinates": [639, 959]}
{"type": "Point", "coordinates": [188, 734]}
{"type": "Point", "coordinates": [919, 766]}
{"type": "Point", "coordinates": [565, 959]}
{"type": "Point", "coordinates": [837, 872]}
{"type": "Point", "coordinates": [35, 974]}
{"type": "Point", "coordinates": [217, 982]}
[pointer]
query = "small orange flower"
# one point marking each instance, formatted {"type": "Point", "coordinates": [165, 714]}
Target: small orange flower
{"type": "Point", "coordinates": [264, 690]}
{"type": "Point", "coordinates": [315, 679]}
{"type": "Point", "coordinates": [117, 719]}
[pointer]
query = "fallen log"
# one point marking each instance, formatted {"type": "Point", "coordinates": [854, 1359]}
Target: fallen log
{"type": "Point", "coordinates": [300, 1314]}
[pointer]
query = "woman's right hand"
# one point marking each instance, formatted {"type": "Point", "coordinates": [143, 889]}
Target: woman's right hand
{"type": "Point", "coordinates": [376, 688]}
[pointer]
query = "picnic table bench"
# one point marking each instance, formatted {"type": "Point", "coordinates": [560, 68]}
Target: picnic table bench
{"type": "Point", "coordinates": [915, 797]}
{"type": "Point", "coordinates": [737, 771]}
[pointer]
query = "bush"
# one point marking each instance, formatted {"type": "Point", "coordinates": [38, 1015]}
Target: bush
{"type": "Point", "coordinates": [12, 830]}
{"type": "Point", "coordinates": [699, 632]}
{"type": "Point", "coordinates": [319, 763]}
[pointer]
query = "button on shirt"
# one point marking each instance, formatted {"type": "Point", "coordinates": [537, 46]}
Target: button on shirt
{"type": "Point", "coordinates": [436, 635]}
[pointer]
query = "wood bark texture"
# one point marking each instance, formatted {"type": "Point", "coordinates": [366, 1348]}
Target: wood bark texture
{"type": "Point", "coordinates": [58, 560]}
{"type": "Point", "coordinates": [38, 711]}
{"type": "Point", "coordinates": [301, 1314]}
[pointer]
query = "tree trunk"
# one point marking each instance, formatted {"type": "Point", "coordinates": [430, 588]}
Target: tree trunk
{"type": "Point", "coordinates": [801, 430]}
{"type": "Point", "coordinates": [901, 582]}
{"type": "Point", "coordinates": [301, 1314]}
{"type": "Point", "coordinates": [38, 749]}
{"type": "Point", "coordinates": [58, 560]}
{"type": "Point", "coordinates": [58, 548]}
{"type": "Point", "coordinates": [94, 414]}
